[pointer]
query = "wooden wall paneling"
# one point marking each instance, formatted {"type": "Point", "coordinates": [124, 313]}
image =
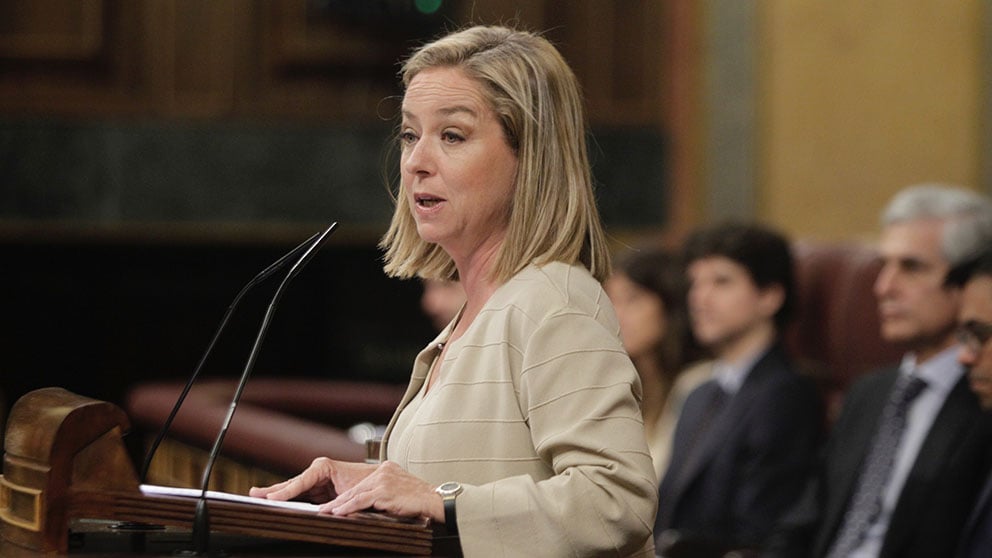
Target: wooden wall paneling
{"type": "Point", "coordinates": [77, 58]}
{"type": "Point", "coordinates": [615, 50]}
{"type": "Point", "coordinates": [193, 48]}
{"type": "Point", "coordinates": [680, 98]}
{"type": "Point", "coordinates": [293, 58]}
{"type": "Point", "coordinates": [637, 64]}
{"type": "Point", "coordinates": [45, 29]}
{"type": "Point", "coordinates": [314, 60]}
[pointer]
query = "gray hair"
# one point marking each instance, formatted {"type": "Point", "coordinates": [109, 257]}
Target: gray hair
{"type": "Point", "coordinates": [966, 214]}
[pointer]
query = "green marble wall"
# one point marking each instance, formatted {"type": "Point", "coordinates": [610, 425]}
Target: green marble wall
{"type": "Point", "coordinates": [131, 172]}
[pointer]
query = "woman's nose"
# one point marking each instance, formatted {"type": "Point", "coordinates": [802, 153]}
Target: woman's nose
{"type": "Point", "coordinates": [418, 158]}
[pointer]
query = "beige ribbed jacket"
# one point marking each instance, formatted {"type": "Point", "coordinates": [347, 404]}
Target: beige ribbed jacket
{"type": "Point", "coordinates": [537, 414]}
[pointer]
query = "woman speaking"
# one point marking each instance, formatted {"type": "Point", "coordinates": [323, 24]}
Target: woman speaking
{"type": "Point", "coordinates": [521, 428]}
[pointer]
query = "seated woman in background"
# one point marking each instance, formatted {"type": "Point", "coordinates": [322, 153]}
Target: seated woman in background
{"type": "Point", "coordinates": [648, 289]}
{"type": "Point", "coordinates": [441, 301]}
{"type": "Point", "coordinates": [524, 413]}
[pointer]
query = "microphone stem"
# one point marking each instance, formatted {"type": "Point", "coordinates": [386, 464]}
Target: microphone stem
{"type": "Point", "coordinates": [264, 274]}
{"type": "Point", "coordinates": [201, 519]}
{"type": "Point", "coordinates": [237, 394]}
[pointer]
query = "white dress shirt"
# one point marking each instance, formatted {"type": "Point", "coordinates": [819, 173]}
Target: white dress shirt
{"type": "Point", "coordinates": [941, 373]}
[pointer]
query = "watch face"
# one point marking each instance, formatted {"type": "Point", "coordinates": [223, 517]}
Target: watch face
{"type": "Point", "coordinates": [449, 489]}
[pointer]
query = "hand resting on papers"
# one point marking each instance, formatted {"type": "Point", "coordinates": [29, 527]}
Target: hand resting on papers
{"type": "Point", "coordinates": [342, 488]}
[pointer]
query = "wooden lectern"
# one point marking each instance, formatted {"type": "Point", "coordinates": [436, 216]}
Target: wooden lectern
{"type": "Point", "coordinates": [64, 460]}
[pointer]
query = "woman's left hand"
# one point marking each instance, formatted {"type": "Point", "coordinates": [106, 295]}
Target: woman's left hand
{"type": "Point", "coordinates": [389, 489]}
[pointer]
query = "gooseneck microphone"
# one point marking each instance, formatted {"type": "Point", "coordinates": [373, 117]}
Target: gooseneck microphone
{"type": "Point", "coordinates": [262, 276]}
{"type": "Point", "coordinates": [201, 519]}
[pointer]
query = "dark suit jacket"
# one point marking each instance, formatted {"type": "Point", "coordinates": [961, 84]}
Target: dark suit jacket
{"type": "Point", "coordinates": [939, 491]}
{"type": "Point", "coordinates": [755, 460]}
{"type": "Point", "coordinates": [974, 541]}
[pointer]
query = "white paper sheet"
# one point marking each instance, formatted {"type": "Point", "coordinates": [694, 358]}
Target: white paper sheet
{"type": "Point", "coordinates": [152, 489]}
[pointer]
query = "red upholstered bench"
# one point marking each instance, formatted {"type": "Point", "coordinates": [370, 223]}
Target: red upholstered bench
{"type": "Point", "coordinates": [280, 426]}
{"type": "Point", "coordinates": [836, 331]}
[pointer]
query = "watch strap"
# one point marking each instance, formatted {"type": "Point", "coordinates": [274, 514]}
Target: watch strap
{"type": "Point", "coordinates": [450, 519]}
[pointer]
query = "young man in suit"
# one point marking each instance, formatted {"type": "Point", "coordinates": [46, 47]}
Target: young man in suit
{"type": "Point", "coordinates": [975, 354]}
{"type": "Point", "coordinates": [906, 457]}
{"type": "Point", "coordinates": [745, 439]}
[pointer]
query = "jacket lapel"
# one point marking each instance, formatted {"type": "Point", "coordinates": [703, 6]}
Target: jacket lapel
{"type": "Point", "coordinates": [730, 418]}
{"type": "Point", "coordinates": [945, 437]}
{"type": "Point", "coordinates": [676, 480]}
{"type": "Point", "coordinates": [853, 444]}
{"type": "Point", "coordinates": [980, 512]}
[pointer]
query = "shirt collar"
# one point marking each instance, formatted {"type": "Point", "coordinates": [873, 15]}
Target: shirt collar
{"type": "Point", "coordinates": [731, 375]}
{"type": "Point", "coordinates": [941, 372]}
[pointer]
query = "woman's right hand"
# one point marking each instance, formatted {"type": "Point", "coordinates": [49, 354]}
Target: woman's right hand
{"type": "Point", "coordinates": [321, 482]}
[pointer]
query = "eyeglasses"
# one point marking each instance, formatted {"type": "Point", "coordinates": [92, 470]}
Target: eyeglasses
{"type": "Point", "coordinates": [973, 335]}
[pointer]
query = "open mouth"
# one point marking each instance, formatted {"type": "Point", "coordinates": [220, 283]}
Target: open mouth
{"type": "Point", "coordinates": [427, 200]}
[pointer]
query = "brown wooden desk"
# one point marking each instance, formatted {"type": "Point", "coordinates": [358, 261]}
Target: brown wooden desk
{"type": "Point", "coordinates": [98, 539]}
{"type": "Point", "coordinates": [67, 481]}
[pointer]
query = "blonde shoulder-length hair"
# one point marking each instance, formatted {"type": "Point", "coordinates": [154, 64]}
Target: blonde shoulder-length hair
{"type": "Point", "coordinates": [536, 97]}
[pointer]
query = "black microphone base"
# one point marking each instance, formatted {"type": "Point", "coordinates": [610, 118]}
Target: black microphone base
{"type": "Point", "coordinates": [201, 530]}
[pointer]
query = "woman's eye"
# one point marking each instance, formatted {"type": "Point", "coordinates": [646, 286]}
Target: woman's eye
{"type": "Point", "coordinates": [451, 137]}
{"type": "Point", "coordinates": [406, 138]}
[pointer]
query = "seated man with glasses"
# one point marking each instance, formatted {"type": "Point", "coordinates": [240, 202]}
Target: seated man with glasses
{"type": "Point", "coordinates": [975, 354]}
{"type": "Point", "coordinates": [975, 323]}
{"type": "Point", "coordinates": [909, 451]}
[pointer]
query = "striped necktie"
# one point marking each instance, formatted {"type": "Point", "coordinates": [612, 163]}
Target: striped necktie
{"type": "Point", "coordinates": [866, 504]}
